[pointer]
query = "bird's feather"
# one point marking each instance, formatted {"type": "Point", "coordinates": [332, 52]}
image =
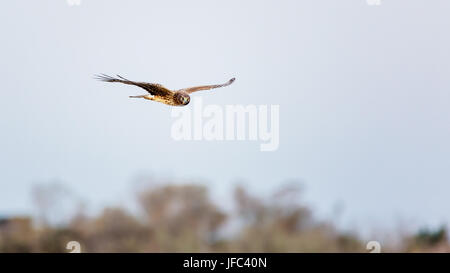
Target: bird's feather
{"type": "Point", "coordinates": [152, 88]}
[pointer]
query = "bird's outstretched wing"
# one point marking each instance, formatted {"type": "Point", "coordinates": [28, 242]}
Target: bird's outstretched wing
{"type": "Point", "coordinates": [206, 87]}
{"type": "Point", "coordinates": [152, 88]}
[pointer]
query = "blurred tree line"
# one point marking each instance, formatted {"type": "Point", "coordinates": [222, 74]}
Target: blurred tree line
{"type": "Point", "coordinates": [183, 218]}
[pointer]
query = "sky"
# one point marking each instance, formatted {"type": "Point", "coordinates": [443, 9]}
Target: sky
{"type": "Point", "coordinates": [363, 95]}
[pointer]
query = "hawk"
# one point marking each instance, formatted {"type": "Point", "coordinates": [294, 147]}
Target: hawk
{"type": "Point", "coordinates": [159, 93]}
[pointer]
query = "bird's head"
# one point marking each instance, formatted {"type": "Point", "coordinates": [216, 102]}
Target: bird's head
{"type": "Point", "coordinates": [182, 98]}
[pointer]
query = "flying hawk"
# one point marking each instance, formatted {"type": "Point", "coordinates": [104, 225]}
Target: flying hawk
{"type": "Point", "coordinates": [159, 93]}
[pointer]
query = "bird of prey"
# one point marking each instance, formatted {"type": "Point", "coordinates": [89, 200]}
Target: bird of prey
{"type": "Point", "coordinates": [161, 94]}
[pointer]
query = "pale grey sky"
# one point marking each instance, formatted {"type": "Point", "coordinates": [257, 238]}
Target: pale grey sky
{"type": "Point", "coordinates": [363, 94]}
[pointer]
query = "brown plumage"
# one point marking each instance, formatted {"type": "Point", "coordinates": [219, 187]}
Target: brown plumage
{"type": "Point", "coordinates": [161, 94]}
